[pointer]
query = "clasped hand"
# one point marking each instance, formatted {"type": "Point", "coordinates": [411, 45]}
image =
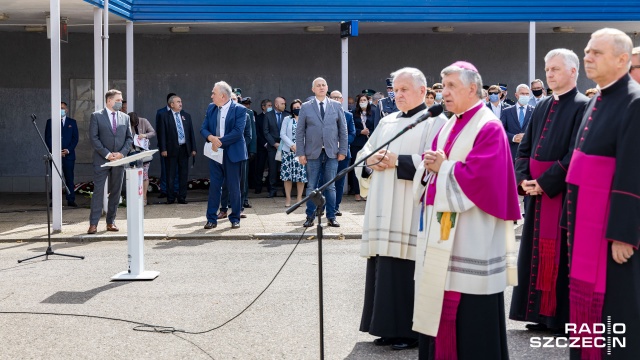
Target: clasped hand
{"type": "Point", "coordinates": [531, 187]}
{"type": "Point", "coordinates": [215, 142]}
{"type": "Point", "coordinates": [382, 160]}
{"type": "Point", "coordinates": [433, 159]}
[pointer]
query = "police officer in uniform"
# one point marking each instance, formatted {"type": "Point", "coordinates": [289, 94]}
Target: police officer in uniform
{"type": "Point", "coordinates": [387, 105]}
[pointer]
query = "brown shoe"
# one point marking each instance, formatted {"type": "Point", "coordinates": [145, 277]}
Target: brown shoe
{"type": "Point", "coordinates": [92, 229]}
{"type": "Point", "coordinates": [112, 227]}
{"type": "Point", "coordinates": [222, 215]}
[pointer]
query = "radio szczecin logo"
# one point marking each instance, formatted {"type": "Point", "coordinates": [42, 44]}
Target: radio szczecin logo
{"type": "Point", "coordinates": [597, 335]}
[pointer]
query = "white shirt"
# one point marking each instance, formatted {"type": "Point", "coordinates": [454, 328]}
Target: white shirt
{"type": "Point", "coordinates": [63, 119]}
{"type": "Point", "coordinates": [173, 113]}
{"type": "Point", "coordinates": [496, 109]}
{"type": "Point", "coordinates": [324, 104]}
{"type": "Point", "coordinates": [224, 109]}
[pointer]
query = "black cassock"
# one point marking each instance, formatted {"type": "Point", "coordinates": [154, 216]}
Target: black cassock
{"type": "Point", "coordinates": [550, 136]}
{"type": "Point", "coordinates": [611, 128]}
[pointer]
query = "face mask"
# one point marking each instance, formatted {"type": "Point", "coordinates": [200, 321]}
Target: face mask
{"type": "Point", "coordinates": [63, 112]}
{"type": "Point", "coordinates": [117, 106]}
{"type": "Point", "coordinates": [371, 102]}
{"type": "Point", "coordinates": [269, 109]}
{"type": "Point", "coordinates": [523, 99]}
{"type": "Point", "coordinates": [296, 112]}
{"type": "Point", "coordinates": [391, 94]}
{"type": "Point", "coordinates": [363, 105]}
{"type": "Point", "coordinates": [494, 98]}
{"type": "Point", "coordinates": [438, 96]}
{"type": "Point", "coordinates": [537, 93]}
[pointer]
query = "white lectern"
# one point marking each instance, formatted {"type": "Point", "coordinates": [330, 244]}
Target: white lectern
{"type": "Point", "coordinates": [135, 220]}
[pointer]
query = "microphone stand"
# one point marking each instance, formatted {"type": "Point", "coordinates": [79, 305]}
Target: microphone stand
{"type": "Point", "coordinates": [319, 200]}
{"type": "Point", "coordinates": [48, 159]}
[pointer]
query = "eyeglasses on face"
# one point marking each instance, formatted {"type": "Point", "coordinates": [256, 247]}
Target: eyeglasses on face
{"type": "Point", "coordinates": [494, 93]}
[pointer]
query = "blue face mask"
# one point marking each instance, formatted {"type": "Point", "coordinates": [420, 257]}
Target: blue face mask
{"type": "Point", "coordinates": [523, 99]}
{"type": "Point", "coordinates": [391, 94]}
{"type": "Point", "coordinates": [494, 98]}
{"type": "Point", "coordinates": [63, 113]}
{"type": "Point", "coordinates": [438, 96]}
{"type": "Point", "coordinates": [269, 109]}
{"type": "Point", "coordinates": [117, 106]}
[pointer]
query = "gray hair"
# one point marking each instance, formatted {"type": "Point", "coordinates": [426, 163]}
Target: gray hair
{"type": "Point", "coordinates": [568, 56]}
{"type": "Point", "coordinates": [538, 80]}
{"type": "Point", "coordinates": [313, 83]}
{"type": "Point", "coordinates": [172, 98]}
{"type": "Point", "coordinates": [416, 75]}
{"type": "Point", "coordinates": [467, 77]}
{"type": "Point", "coordinates": [621, 42]}
{"type": "Point", "coordinates": [377, 96]}
{"type": "Point", "coordinates": [522, 86]}
{"type": "Point", "coordinates": [224, 88]}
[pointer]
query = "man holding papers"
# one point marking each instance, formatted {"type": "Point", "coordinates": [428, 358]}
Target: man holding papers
{"type": "Point", "coordinates": [223, 129]}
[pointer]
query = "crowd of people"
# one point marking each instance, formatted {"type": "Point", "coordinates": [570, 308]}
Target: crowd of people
{"type": "Point", "coordinates": [438, 231]}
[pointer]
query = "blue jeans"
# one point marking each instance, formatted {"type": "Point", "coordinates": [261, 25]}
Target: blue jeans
{"type": "Point", "coordinates": [340, 182]}
{"type": "Point", "coordinates": [327, 168]}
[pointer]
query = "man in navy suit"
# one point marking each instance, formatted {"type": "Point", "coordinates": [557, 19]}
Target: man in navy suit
{"type": "Point", "coordinates": [177, 142]}
{"type": "Point", "coordinates": [343, 164]}
{"type": "Point", "coordinates": [223, 128]}
{"type": "Point", "coordinates": [271, 128]}
{"type": "Point", "coordinates": [495, 104]}
{"type": "Point", "coordinates": [516, 118]}
{"type": "Point", "coordinates": [69, 133]}
{"type": "Point", "coordinates": [163, 167]}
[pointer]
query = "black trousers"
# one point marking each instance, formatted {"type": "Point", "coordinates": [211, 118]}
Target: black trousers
{"type": "Point", "coordinates": [260, 163]}
{"type": "Point", "coordinates": [274, 173]}
{"type": "Point", "coordinates": [180, 164]}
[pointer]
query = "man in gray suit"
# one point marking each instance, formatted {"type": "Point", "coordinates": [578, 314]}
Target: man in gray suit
{"type": "Point", "coordinates": [110, 136]}
{"type": "Point", "coordinates": [321, 139]}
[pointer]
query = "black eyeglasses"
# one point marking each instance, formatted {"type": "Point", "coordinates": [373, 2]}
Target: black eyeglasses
{"type": "Point", "coordinates": [493, 93]}
{"type": "Point", "coordinates": [633, 67]}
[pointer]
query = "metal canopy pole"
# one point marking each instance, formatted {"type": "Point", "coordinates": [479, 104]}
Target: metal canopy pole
{"type": "Point", "coordinates": [56, 98]}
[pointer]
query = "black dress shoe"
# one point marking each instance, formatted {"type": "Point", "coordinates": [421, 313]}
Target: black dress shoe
{"type": "Point", "coordinates": [235, 225]}
{"type": "Point", "coordinates": [333, 223]}
{"type": "Point", "coordinates": [404, 344]}
{"type": "Point", "coordinates": [246, 205]}
{"type": "Point", "coordinates": [258, 191]}
{"type": "Point", "coordinates": [170, 201]}
{"type": "Point", "coordinates": [383, 341]}
{"type": "Point", "coordinates": [182, 201]}
{"type": "Point", "coordinates": [210, 225]}
{"type": "Point", "coordinates": [338, 213]}
{"type": "Point", "coordinates": [308, 222]}
{"type": "Point", "coordinates": [537, 327]}
{"type": "Point", "coordinates": [272, 194]}
{"type": "Point", "coordinates": [162, 195]}
{"type": "Point", "coordinates": [72, 204]}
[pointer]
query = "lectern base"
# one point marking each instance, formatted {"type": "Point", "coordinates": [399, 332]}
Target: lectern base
{"type": "Point", "coordinates": [125, 276]}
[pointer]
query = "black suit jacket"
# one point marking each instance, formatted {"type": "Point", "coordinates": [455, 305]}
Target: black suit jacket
{"type": "Point", "coordinates": [271, 128]}
{"type": "Point", "coordinates": [260, 140]}
{"type": "Point", "coordinates": [168, 137]}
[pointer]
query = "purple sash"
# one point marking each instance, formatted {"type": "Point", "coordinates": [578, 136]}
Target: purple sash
{"type": "Point", "coordinates": [587, 278]}
{"type": "Point", "coordinates": [548, 221]}
{"type": "Point", "coordinates": [446, 341]}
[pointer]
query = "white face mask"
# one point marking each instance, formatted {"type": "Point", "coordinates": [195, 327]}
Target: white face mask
{"type": "Point", "coordinates": [363, 105]}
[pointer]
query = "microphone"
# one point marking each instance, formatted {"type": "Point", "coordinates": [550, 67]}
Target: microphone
{"type": "Point", "coordinates": [433, 111]}
{"type": "Point", "coordinates": [33, 117]}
